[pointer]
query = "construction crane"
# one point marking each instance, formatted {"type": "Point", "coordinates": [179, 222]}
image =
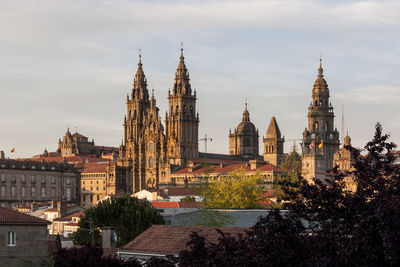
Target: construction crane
{"type": "Point", "coordinates": [205, 139]}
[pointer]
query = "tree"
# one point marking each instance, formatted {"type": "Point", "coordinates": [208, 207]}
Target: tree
{"type": "Point", "coordinates": [326, 225]}
{"type": "Point", "coordinates": [188, 199]}
{"type": "Point", "coordinates": [129, 216]}
{"type": "Point", "coordinates": [236, 191]}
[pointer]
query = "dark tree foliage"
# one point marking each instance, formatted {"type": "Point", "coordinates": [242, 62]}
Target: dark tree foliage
{"type": "Point", "coordinates": [89, 256]}
{"type": "Point", "coordinates": [129, 216]}
{"type": "Point", "coordinates": [326, 225]}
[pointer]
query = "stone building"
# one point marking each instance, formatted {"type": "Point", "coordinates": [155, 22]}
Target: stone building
{"type": "Point", "coordinates": [320, 138]}
{"type": "Point", "coordinates": [24, 182]}
{"type": "Point", "coordinates": [101, 179]}
{"type": "Point", "coordinates": [273, 144]}
{"type": "Point", "coordinates": [244, 139]}
{"type": "Point", "coordinates": [23, 239]}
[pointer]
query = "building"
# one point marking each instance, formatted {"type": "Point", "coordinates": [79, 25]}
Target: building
{"type": "Point", "coordinates": [320, 138]}
{"type": "Point", "coordinates": [67, 224]}
{"type": "Point", "coordinates": [273, 144]}
{"type": "Point", "coordinates": [101, 179]}
{"type": "Point", "coordinates": [244, 139]}
{"type": "Point", "coordinates": [23, 239]}
{"type": "Point", "coordinates": [26, 181]}
{"type": "Point", "coordinates": [163, 240]}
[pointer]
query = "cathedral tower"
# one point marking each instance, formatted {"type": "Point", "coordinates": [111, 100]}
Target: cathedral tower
{"type": "Point", "coordinates": [143, 146]}
{"type": "Point", "coordinates": [244, 140]}
{"type": "Point", "coordinates": [182, 121]}
{"type": "Point", "coordinates": [273, 144]}
{"type": "Point", "coordinates": [320, 139]}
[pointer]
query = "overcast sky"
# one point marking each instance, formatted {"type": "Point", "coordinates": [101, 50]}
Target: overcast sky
{"type": "Point", "coordinates": [71, 63]}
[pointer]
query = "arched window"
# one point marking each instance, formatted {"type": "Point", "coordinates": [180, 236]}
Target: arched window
{"type": "Point", "coordinates": [326, 126]}
{"type": "Point", "coordinates": [172, 110]}
{"type": "Point", "coordinates": [11, 239]}
{"type": "Point", "coordinates": [184, 110]}
{"type": "Point", "coordinates": [176, 110]}
{"type": "Point", "coordinates": [316, 126]}
{"type": "Point", "coordinates": [191, 110]}
{"type": "Point", "coordinates": [151, 147]}
{"type": "Point", "coordinates": [272, 149]}
{"type": "Point", "coordinates": [134, 114]}
{"type": "Point", "coordinates": [316, 103]}
{"type": "Point", "coordinates": [151, 162]}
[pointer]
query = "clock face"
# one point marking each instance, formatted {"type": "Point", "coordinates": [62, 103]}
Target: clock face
{"type": "Point", "coordinates": [312, 136]}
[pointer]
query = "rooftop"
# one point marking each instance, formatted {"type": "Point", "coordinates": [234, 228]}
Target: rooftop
{"type": "Point", "coordinates": [12, 217]}
{"type": "Point", "coordinates": [168, 239]}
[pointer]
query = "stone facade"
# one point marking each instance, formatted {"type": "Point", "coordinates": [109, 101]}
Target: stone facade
{"type": "Point", "coordinates": [273, 144]}
{"type": "Point", "coordinates": [23, 182]}
{"type": "Point", "coordinates": [29, 243]}
{"type": "Point", "coordinates": [244, 139]}
{"type": "Point", "coordinates": [101, 179]}
{"type": "Point", "coordinates": [320, 138]}
{"type": "Point", "coordinates": [145, 149]}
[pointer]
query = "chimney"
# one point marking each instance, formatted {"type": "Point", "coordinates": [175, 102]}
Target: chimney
{"type": "Point", "coordinates": [109, 237]}
{"type": "Point", "coordinates": [61, 208]}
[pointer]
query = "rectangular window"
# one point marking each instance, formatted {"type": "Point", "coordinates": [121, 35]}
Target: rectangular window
{"type": "Point", "coordinates": [13, 191]}
{"type": "Point", "coordinates": [11, 239]}
{"type": "Point", "coordinates": [33, 191]}
{"type": "Point", "coordinates": [68, 194]}
{"type": "Point", "coordinates": [13, 179]}
{"type": "Point", "coordinates": [53, 192]}
{"type": "Point", "coordinates": [33, 179]}
{"type": "Point", "coordinates": [68, 180]}
{"type": "Point", "coordinates": [53, 179]}
{"type": "Point", "coordinates": [23, 191]}
{"type": "Point", "coordinates": [23, 180]}
{"type": "Point", "coordinates": [3, 178]}
{"type": "Point", "coordinates": [3, 191]}
{"type": "Point", "coordinates": [43, 179]}
{"type": "Point", "coordinates": [91, 198]}
{"type": "Point", "coordinates": [98, 197]}
{"type": "Point", "coordinates": [84, 198]}
{"type": "Point", "coordinates": [43, 191]}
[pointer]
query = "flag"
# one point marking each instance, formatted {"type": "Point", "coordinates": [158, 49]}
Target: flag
{"type": "Point", "coordinates": [312, 144]}
{"type": "Point", "coordinates": [12, 150]}
{"type": "Point", "coordinates": [320, 145]}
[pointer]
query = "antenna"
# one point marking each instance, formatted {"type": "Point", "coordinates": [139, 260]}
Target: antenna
{"type": "Point", "coordinates": [342, 130]}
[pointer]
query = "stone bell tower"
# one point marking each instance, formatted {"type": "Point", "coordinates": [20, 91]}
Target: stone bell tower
{"type": "Point", "coordinates": [320, 138]}
{"type": "Point", "coordinates": [182, 121]}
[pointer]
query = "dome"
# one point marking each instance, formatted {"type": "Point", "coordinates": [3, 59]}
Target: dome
{"type": "Point", "coordinates": [320, 83]}
{"type": "Point", "coordinates": [246, 127]}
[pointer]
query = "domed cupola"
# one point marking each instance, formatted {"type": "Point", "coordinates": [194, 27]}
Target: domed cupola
{"type": "Point", "coordinates": [244, 139]}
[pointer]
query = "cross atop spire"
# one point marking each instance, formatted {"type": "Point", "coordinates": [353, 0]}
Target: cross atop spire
{"type": "Point", "coordinates": [320, 69]}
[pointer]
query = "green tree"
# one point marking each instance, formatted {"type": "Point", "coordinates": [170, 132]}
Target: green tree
{"type": "Point", "coordinates": [292, 167]}
{"type": "Point", "coordinates": [188, 199]}
{"type": "Point", "coordinates": [236, 191]}
{"type": "Point", "coordinates": [129, 216]}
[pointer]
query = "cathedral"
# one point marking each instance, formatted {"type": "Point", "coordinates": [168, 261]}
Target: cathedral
{"type": "Point", "coordinates": [153, 154]}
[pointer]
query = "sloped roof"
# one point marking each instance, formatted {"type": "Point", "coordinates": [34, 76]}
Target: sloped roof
{"type": "Point", "coordinates": [273, 129]}
{"type": "Point", "coordinates": [224, 170]}
{"type": "Point", "coordinates": [175, 204]}
{"type": "Point", "coordinates": [12, 217]}
{"type": "Point", "coordinates": [94, 167]}
{"type": "Point", "coordinates": [179, 191]}
{"type": "Point", "coordinates": [168, 239]}
{"type": "Point", "coordinates": [78, 135]}
{"type": "Point", "coordinates": [69, 217]}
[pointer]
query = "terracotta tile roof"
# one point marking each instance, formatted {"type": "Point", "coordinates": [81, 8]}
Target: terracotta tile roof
{"type": "Point", "coordinates": [165, 204]}
{"type": "Point", "coordinates": [95, 167]}
{"type": "Point", "coordinates": [174, 204]}
{"type": "Point", "coordinates": [178, 191]}
{"type": "Point", "coordinates": [78, 135]}
{"type": "Point", "coordinates": [69, 217]}
{"type": "Point", "coordinates": [72, 224]}
{"type": "Point", "coordinates": [226, 169]}
{"type": "Point", "coordinates": [71, 159]}
{"type": "Point", "coordinates": [12, 217]}
{"type": "Point", "coordinates": [106, 148]}
{"type": "Point", "coordinates": [168, 239]}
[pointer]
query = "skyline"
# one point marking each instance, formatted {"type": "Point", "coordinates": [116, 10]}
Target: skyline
{"type": "Point", "coordinates": [72, 65]}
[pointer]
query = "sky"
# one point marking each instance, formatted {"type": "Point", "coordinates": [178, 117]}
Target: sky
{"type": "Point", "coordinates": [71, 63]}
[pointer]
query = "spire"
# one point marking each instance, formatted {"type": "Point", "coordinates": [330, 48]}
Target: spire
{"type": "Point", "coordinates": [246, 115]}
{"type": "Point", "coordinates": [320, 83]}
{"type": "Point", "coordinates": [320, 69]}
{"type": "Point", "coordinates": [140, 82]}
{"type": "Point", "coordinates": [273, 129]}
{"type": "Point", "coordinates": [182, 85]}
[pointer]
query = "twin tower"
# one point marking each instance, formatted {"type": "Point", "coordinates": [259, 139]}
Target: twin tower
{"type": "Point", "coordinates": [148, 153]}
